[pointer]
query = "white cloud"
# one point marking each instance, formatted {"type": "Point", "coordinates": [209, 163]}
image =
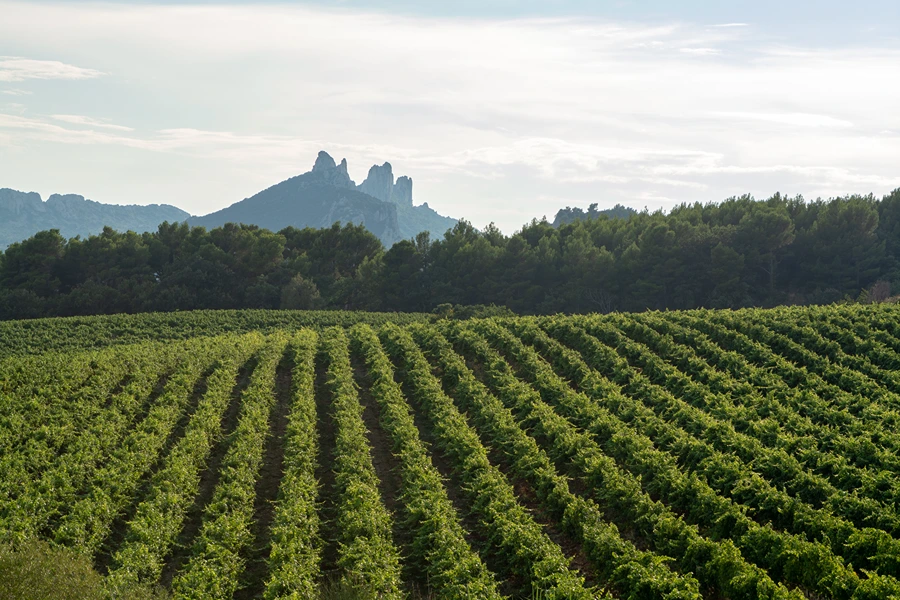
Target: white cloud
{"type": "Point", "coordinates": [700, 51]}
{"type": "Point", "coordinates": [791, 119]}
{"type": "Point", "coordinates": [16, 107]}
{"type": "Point", "coordinates": [82, 120]}
{"type": "Point", "coordinates": [510, 110]}
{"type": "Point", "coordinates": [14, 68]}
{"type": "Point", "coordinates": [17, 92]}
{"type": "Point", "coordinates": [567, 162]}
{"type": "Point", "coordinates": [186, 141]}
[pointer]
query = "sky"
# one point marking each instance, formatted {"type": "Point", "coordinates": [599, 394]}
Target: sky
{"type": "Point", "coordinates": [500, 110]}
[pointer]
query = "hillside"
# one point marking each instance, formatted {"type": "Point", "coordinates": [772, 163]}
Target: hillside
{"type": "Point", "coordinates": [416, 219]}
{"type": "Point", "coordinates": [326, 195]}
{"type": "Point", "coordinates": [319, 198]}
{"type": "Point", "coordinates": [304, 201]}
{"type": "Point", "coordinates": [24, 214]}
{"type": "Point", "coordinates": [679, 455]}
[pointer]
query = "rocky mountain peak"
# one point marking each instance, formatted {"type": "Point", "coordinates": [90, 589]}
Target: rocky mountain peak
{"type": "Point", "coordinates": [402, 192]}
{"type": "Point", "coordinates": [324, 162]}
{"type": "Point", "coordinates": [325, 170]}
{"type": "Point", "coordinates": [379, 183]}
{"type": "Point", "coordinates": [17, 202]}
{"type": "Point", "coordinates": [65, 199]}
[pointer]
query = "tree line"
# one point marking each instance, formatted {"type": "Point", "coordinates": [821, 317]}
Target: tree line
{"type": "Point", "coordinates": [736, 253]}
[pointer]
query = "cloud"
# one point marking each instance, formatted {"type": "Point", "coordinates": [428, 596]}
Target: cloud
{"type": "Point", "coordinates": [566, 162]}
{"type": "Point", "coordinates": [17, 92]}
{"type": "Point", "coordinates": [14, 68]}
{"type": "Point", "coordinates": [792, 119]}
{"type": "Point", "coordinates": [220, 145]}
{"type": "Point", "coordinates": [37, 129]}
{"type": "Point", "coordinates": [82, 120]}
{"type": "Point", "coordinates": [700, 51]}
{"type": "Point", "coordinates": [473, 109]}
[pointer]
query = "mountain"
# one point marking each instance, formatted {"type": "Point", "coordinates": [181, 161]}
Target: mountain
{"type": "Point", "coordinates": [570, 215]}
{"type": "Point", "coordinates": [326, 194]}
{"type": "Point", "coordinates": [24, 214]}
{"type": "Point", "coordinates": [319, 198]}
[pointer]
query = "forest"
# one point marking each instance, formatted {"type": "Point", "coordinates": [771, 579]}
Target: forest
{"type": "Point", "coordinates": [741, 252]}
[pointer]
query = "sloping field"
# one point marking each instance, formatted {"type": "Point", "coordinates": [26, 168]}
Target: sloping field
{"type": "Point", "coordinates": [750, 454]}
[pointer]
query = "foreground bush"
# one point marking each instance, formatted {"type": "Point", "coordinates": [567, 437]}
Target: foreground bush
{"type": "Point", "coordinates": [35, 570]}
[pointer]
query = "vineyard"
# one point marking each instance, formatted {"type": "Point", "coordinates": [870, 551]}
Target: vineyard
{"type": "Point", "coordinates": [679, 455]}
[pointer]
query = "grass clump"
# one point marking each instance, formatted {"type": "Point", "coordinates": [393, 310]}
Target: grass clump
{"type": "Point", "coordinates": [36, 570]}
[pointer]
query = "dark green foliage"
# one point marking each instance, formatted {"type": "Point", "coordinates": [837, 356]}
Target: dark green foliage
{"type": "Point", "coordinates": [738, 253]}
{"type": "Point", "coordinates": [569, 215]}
{"type": "Point", "coordinates": [300, 294]}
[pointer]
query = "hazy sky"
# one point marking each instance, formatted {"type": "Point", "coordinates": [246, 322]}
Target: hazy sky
{"type": "Point", "coordinates": [500, 110]}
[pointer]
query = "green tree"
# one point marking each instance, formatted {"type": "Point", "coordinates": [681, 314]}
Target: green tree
{"type": "Point", "coordinates": [845, 250]}
{"type": "Point", "coordinates": [763, 233]}
{"type": "Point", "coordinates": [300, 294]}
{"type": "Point", "coordinates": [726, 270]}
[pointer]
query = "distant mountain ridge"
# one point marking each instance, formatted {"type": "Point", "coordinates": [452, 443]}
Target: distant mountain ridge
{"type": "Point", "coordinates": [326, 194]}
{"type": "Point", "coordinates": [22, 214]}
{"type": "Point", "coordinates": [318, 198]}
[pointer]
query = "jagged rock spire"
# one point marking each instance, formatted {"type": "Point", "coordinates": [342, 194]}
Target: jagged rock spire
{"type": "Point", "coordinates": [324, 162]}
{"type": "Point", "coordinates": [402, 193]}
{"type": "Point", "coordinates": [327, 171]}
{"type": "Point", "coordinates": [379, 183]}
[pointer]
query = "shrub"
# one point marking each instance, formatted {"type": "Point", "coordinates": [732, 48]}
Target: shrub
{"type": "Point", "coordinates": [35, 570]}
